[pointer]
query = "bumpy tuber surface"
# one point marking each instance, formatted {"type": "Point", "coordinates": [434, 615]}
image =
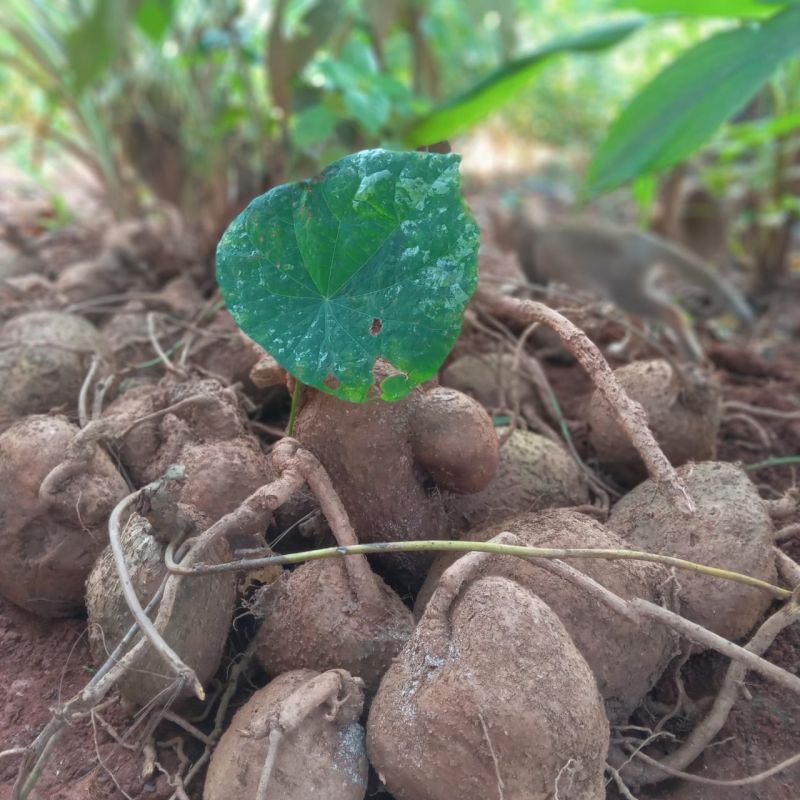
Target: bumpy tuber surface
{"type": "Point", "coordinates": [493, 693]}
{"type": "Point", "coordinates": [534, 473]}
{"type": "Point", "coordinates": [731, 529]}
{"type": "Point", "coordinates": [683, 415]}
{"type": "Point", "coordinates": [320, 754]}
{"type": "Point", "coordinates": [196, 631]}
{"type": "Point", "coordinates": [319, 617]}
{"type": "Point", "coordinates": [49, 547]}
{"type": "Point", "coordinates": [223, 460]}
{"type": "Point", "coordinates": [626, 657]}
{"type": "Point", "coordinates": [43, 360]}
{"type": "Point", "coordinates": [367, 450]}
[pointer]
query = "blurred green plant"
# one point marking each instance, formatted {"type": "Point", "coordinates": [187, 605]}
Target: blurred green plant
{"type": "Point", "coordinates": [756, 163]}
{"type": "Point", "coordinates": [206, 104]}
{"type": "Point", "coordinates": [677, 112]}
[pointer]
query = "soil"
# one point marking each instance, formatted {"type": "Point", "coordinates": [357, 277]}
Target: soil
{"type": "Point", "coordinates": [761, 731]}
{"type": "Point", "coordinates": [45, 661]}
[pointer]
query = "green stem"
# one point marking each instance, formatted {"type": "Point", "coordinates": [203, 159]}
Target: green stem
{"type": "Point", "coordinates": [433, 545]}
{"type": "Point", "coordinates": [779, 461]}
{"type": "Point", "coordinates": [296, 394]}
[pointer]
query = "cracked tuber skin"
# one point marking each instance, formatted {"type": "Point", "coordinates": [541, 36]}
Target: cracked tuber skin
{"type": "Point", "coordinates": [385, 460]}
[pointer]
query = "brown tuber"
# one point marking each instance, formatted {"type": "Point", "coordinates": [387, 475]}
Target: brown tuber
{"type": "Point", "coordinates": [731, 529]}
{"type": "Point", "coordinates": [44, 356]}
{"type": "Point", "coordinates": [310, 722]}
{"type": "Point", "coordinates": [328, 614]}
{"type": "Point", "coordinates": [534, 473]}
{"type": "Point", "coordinates": [683, 413]}
{"type": "Point", "coordinates": [626, 657]}
{"type": "Point", "coordinates": [196, 630]}
{"type": "Point", "coordinates": [49, 546]}
{"type": "Point", "coordinates": [453, 439]}
{"type": "Point", "coordinates": [207, 434]}
{"type": "Point", "coordinates": [490, 691]}
{"type": "Point", "coordinates": [370, 451]}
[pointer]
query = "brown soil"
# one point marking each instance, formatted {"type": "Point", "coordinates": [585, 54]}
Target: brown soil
{"type": "Point", "coordinates": [43, 662]}
{"type": "Point", "coordinates": [760, 732]}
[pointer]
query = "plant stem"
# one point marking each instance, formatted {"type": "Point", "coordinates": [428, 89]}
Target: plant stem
{"type": "Point", "coordinates": [435, 545]}
{"type": "Point", "coordinates": [296, 394]}
{"type": "Point", "coordinates": [780, 461]}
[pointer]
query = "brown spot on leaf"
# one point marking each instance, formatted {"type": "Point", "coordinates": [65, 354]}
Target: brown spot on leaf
{"type": "Point", "coordinates": [332, 382]}
{"type": "Point", "coordinates": [376, 326]}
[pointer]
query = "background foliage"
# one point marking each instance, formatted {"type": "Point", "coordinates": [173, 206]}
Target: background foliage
{"type": "Point", "coordinates": [206, 104]}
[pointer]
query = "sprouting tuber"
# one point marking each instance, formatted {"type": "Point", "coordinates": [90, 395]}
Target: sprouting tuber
{"type": "Point", "coordinates": [370, 450]}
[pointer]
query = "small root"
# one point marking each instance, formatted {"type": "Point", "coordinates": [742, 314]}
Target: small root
{"type": "Point", "coordinates": [704, 732]}
{"type": "Point", "coordinates": [762, 434]}
{"type": "Point", "coordinates": [630, 415]}
{"type": "Point", "coordinates": [162, 356]}
{"type": "Point", "coordinates": [749, 780]}
{"type": "Point", "coordinates": [500, 784]}
{"type": "Point", "coordinates": [620, 784]}
{"type": "Point", "coordinates": [758, 411]}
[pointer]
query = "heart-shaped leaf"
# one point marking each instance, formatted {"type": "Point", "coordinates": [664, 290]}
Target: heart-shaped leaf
{"type": "Point", "coordinates": [356, 280]}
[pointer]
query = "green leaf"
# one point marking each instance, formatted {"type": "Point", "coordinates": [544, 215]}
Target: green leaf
{"type": "Point", "coordinates": [313, 125]}
{"type": "Point", "coordinates": [362, 271]}
{"type": "Point", "coordinates": [645, 193]}
{"type": "Point", "coordinates": [477, 102]}
{"type": "Point", "coordinates": [91, 46]}
{"type": "Point", "coordinates": [705, 8]}
{"type": "Point", "coordinates": [154, 17]}
{"type": "Point", "coordinates": [759, 132]}
{"type": "Point", "coordinates": [685, 103]}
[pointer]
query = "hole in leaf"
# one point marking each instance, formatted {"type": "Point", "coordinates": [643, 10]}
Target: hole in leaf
{"type": "Point", "coordinates": [383, 370]}
{"type": "Point", "coordinates": [332, 382]}
{"type": "Point", "coordinates": [376, 326]}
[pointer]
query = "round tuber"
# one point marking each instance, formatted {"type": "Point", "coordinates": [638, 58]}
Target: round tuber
{"type": "Point", "coordinates": [453, 439]}
{"type": "Point", "coordinates": [489, 691]}
{"type": "Point", "coordinates": [197, 628]}
{"type": "Point", "coordinates": [49, 547]}
{"type": "Point", "coordinates": [683, 414]}
{"type": "Point", "coordinates": [310, 722]}
{"type": "Point", "coordinates": [626, 658]}
{"type": "Point", "coordinates": [43, 360]}
{"type": "Point", "coordinates": [730, 529]}
{"type": "Point", "coordinates": [330, 614]}
{"type": "Point", "coordinates": [534, 473]}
